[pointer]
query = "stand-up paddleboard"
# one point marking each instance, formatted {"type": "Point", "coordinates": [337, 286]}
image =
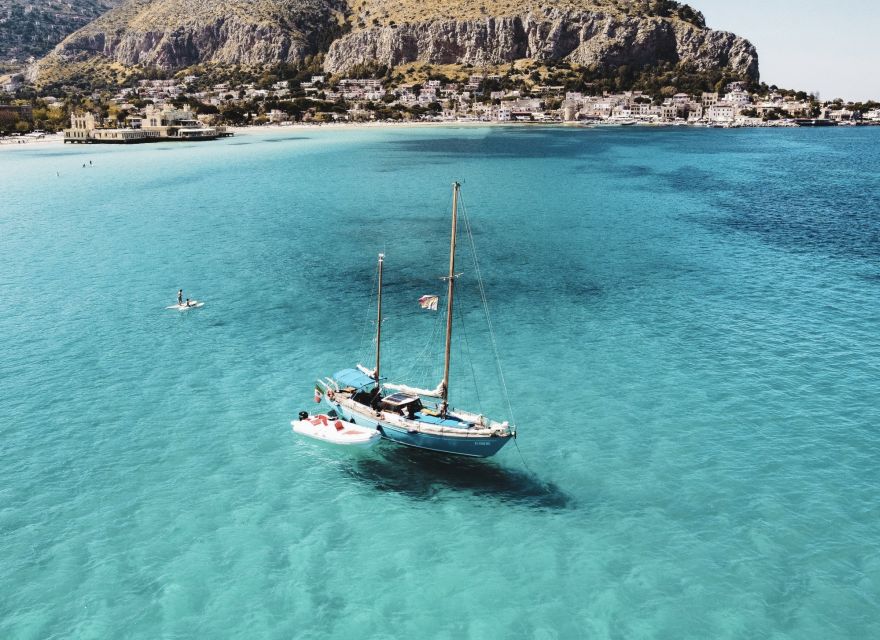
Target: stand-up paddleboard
{"type": "Point", "coordinates": [193, 304]}
{"type": "Point", "coordinates": [335, 431]}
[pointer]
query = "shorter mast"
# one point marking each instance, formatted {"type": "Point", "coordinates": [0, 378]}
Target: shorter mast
{"type": "Point", "coordinates": [449, 295]}
{"type": "Point", "coordinates": [379, 320]}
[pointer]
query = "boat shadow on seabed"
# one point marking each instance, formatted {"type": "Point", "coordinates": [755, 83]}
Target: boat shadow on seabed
{"type": "Point", "coordinates": [425, 475]}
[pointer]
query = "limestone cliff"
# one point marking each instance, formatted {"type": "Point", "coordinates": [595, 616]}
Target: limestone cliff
{"type": "Point", "coordinates": [175, 34]}
{"type": "Point", "coordinates": [599, 39]}
{"type": "Point", "coordinates": [29, 28]}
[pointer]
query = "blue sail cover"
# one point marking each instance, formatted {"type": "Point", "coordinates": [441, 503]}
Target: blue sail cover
{"type": "Point", "coordinates": [353, 378]}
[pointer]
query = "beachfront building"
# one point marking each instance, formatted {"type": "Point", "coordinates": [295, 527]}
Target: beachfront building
{"type": "Point", "coordinates": [172, 123]}
{"type": "Point", "coordinates": [721, 112]}
{"type": "Point", "coordinates": [840, 115]}
{"type": "Point", "coordinates": [159, 123]}
{"type": "Point", "coordinates": [85, 128]}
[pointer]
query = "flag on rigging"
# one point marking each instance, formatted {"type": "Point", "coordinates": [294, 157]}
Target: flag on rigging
{"type": "Point", "coordinates": [429, 302]}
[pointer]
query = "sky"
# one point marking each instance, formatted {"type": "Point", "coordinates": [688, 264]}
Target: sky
{"type": "Point", "coordinates": [823, 46]}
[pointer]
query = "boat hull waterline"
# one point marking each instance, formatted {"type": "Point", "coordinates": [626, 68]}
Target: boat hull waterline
{"type": "Point", "coordinates": [474, 446]}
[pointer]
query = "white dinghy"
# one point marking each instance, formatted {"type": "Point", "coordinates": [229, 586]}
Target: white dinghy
{"type": "Point", "coordinates": [334, 430]}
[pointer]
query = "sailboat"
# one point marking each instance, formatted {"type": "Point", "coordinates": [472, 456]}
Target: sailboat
{"type": "Point", "coordinates": [414, 417]}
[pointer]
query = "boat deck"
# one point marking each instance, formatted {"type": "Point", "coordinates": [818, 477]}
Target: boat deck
{"type": "Point", "coordinates": [449, 421]}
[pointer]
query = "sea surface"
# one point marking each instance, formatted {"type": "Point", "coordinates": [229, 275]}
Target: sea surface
{"type": "Point", "coordinates": [688, 324]}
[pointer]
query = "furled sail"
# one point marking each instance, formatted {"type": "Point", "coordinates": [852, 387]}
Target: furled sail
{"type": "Point", "coordinates": [370, 373]}
{"type": "Point", "coordinates": [431, 393]}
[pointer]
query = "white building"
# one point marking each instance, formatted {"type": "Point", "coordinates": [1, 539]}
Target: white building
{"type": "Point", "coordinates": [738, 98]}
{"type": "Point", "coordinates": [721, 112]}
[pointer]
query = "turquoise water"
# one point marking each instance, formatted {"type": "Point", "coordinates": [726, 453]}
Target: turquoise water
{"type": "Point", "coordinates": [689, 324]}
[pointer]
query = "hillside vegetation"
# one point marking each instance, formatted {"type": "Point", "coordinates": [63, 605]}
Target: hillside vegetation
{"type": "Point", "coordinates": [140, 37]}
{"type": "Point", "coordinates": [367, 13]}
{"type": "Point", "coordinates": [33, 28]}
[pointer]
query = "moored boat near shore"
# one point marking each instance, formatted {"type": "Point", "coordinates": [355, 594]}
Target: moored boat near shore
{"type": "Point", "coordinates": [414, 417]}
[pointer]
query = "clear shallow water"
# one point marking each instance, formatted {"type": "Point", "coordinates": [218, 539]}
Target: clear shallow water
{"type": "Point", "coordinates": [689, 322]}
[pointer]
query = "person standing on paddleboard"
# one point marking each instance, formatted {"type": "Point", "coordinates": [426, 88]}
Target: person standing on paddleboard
{"type": "Point", "coordinates": [180, 297]}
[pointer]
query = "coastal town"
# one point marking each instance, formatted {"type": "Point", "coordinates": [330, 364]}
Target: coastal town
{"type": "Point", "coordinates": [185, 108]}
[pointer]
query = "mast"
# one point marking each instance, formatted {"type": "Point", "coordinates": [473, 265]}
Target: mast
{"type": "Point", "coordinates": [379, 319]}
{"type": "Point", "coordinates": [449, 294]}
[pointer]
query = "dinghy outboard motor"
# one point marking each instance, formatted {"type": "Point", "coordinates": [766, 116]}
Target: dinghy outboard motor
{"type": "Point", "coordinates": [303, 415]}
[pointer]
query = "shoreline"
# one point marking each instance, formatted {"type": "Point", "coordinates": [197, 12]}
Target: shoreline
{"type": "Point", "coordinates": [24, 142]}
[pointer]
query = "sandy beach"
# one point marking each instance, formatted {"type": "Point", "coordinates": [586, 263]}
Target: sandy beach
{"type": "Point", "coordinates": [25, 142]}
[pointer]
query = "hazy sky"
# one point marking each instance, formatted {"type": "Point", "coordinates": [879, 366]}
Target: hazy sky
{"type": "Point", "coordinates": [811, 45]}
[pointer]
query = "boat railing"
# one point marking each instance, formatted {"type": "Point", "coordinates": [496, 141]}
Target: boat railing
{"type": "Point", "coordinates": [475, 431]}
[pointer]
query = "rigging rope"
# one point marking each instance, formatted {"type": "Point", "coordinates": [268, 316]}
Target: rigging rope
{"type": "Point", "coordinates": [421, 363]}
{"type": "Point", "coordinates": [362, 348]}
{"type": "Point", "coordinates": [469, 359]}
{"type": "Point", "coordinates": [485, 301]}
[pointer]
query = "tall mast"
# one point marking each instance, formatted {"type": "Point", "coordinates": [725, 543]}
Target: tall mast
{"type": "Point", "coordinates": [450, 292]}
{"type": "Point", "coordinates": [379, 319]}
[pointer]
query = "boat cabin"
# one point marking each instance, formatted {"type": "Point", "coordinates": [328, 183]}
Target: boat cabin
{"type": "Point", "coordinates": [360, 388]}
{"type": "Point", "coordinates": [403, 403]}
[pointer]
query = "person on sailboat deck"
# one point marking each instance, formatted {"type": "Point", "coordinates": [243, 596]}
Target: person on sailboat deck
{"type": "Point", "coordinates": [180, 296]}
{"type": "Point", "coordinates": [376, 399]}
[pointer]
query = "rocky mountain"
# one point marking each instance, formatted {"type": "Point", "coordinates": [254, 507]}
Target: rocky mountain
{"type": "Point", "coordinates": [175, 34]}
{"type": "Point", "coordinates": [585, 38]}
{"type": "Point", "coordinates": [30, 28]}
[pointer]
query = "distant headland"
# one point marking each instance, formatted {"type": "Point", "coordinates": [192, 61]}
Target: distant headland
{"type": "Point", "coordinates": [278, 61]}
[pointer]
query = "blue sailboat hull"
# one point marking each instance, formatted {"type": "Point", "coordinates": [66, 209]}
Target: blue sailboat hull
{"type": "Point", "coordinates": [474, 447]}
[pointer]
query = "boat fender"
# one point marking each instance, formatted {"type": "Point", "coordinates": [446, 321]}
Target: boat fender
{"type": "Point", "coordinates": [338, 425]}
{"type": "Point", "coordinates": [303, 415]}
